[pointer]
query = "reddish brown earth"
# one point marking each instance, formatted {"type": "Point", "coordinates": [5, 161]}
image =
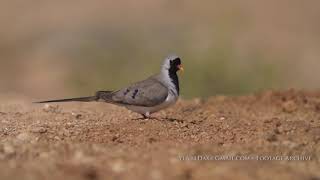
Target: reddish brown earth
{"type": "Point", "coordinates": [93, 141]}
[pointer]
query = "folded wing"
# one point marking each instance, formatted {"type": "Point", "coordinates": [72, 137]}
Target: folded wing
{"type": "Point", "coordinates": [150, 92]}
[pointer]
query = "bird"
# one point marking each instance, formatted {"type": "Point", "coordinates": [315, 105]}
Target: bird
{"type": "Point", "coordinates": [144, 97]}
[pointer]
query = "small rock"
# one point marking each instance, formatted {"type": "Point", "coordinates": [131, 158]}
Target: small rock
{"type": "Point", "coordinates": [184, 125]}
{"type": "Point", "coordinates": [152, 140]}
{"type": "Point", "coordinates": [267, 121]}
{"type": "Point", "coordinates": [116, 138]}
{"type": "Point", "coordinates": [290, 144]}
{"type": "Point", "coordinates": [271, 137]}
{"type": "Point", "coordinates": [57, 138]}
{"type": "Point", "coordinates": [67, 134]}
{"type": "Point", "coordinates": [277, 131]}
{"type": "Point", "coordinates": [39, 130]}
{"type": "Point", "coordinates": [5, 131]}
{"type": "Point", "coordinates": [289, 106]}
{"type": "Point", "coordinates": [280, 130]}
{"type": "Point", "coordinates": [69, 125]}
{"type": "Point", "coordinates": [46, 107]}
{"type": "Point", "coordinates": [51, 108]}
{"type": "Point", "coordinates": [77, 115]}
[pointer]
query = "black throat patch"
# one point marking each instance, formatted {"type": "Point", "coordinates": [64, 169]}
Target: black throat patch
{"type": "Point", "coordinates": [175, 80]}
{"type": "Point", "coordinates": [173, 73]}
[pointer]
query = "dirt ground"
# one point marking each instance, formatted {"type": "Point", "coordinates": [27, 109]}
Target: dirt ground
{"type": "Point", "coordinates": [93, 141]}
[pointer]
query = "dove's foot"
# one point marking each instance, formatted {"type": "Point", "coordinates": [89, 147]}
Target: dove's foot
{"type": "Point", "coordinates": [146, 117]}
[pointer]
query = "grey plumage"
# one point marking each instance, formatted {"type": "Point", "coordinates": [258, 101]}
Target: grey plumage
{"type": "Point", "coordinates": [144, 97]}
{"type": "Point", "coordinates": [149, 92]}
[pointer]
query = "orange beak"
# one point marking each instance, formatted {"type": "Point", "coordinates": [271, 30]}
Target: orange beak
{"type": "Point", "coordinates": [180, 67]}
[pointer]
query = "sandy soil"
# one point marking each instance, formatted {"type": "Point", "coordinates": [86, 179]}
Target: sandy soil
{"type": "Point", "coordinates": [94, 141]}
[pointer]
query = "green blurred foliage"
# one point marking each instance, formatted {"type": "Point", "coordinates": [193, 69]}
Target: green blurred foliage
{"type": "Point", "coordinates": [215, 72]}
{"type": "Point", "coordinates": [227, 47]}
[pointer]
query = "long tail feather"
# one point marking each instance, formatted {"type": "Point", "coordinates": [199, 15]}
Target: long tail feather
{"type": "Point", "coordinates": [81, 99]}
{"type": "Point", "coordinates": [99, 95]}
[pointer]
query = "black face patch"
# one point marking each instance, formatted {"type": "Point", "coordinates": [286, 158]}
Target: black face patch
{"type": "Point", "coordinates": [174, 64]}
{"type": "Point", "coordinates": [174, 67]}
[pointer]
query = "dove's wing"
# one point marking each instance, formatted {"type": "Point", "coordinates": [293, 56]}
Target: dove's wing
{"type": "Point", "coordinates": [150, 92]}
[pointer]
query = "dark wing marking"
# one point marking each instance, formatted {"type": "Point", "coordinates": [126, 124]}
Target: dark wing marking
{"type": "Point", "coordinates": [149, 92]}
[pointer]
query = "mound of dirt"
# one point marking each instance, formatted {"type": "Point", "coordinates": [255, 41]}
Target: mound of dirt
{"type": "Point", "coordinates": [270, 135]}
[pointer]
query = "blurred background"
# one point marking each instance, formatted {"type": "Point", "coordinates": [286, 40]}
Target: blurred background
{"type": "Point", "coordinates": [52, 49]}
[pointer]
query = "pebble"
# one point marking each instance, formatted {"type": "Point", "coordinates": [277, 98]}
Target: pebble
{"type": "Point", "coordinates": [67, 133]}
{"type": "Point", "coordinates": [57, 138]}
{"type": "Point", "coordinates": [77, 115]}
{"type": "Point", "coordinates": [289, 106]}
{"type": "Point", "coordinates": [222, 118]}
{"type": "Point", "coordinates": [277, 131]}
{"type": "Point", "coordinates": [271, 137]}
{"type": "Point", "coordinates": [39, 130]}
{"type": "Point", "coordinates": [267, 121]}
{"type": "Point", "coordinates": [152, 140]}
{"type": "Point", "coordinates": [184, 125]}
{"type": "Point", "coordinates": [278, 124]}
{"type": "Point", "coordinates": [51, 108]}
{"type": "Point", "coordinates": [290, 144]}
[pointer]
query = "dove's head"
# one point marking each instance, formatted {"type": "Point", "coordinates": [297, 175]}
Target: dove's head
{"type": "Point", "coordinates": [172, 64]}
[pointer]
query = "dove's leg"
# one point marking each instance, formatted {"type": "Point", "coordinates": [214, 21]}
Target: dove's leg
{"type": "Point", "coordinates": [146, 115]}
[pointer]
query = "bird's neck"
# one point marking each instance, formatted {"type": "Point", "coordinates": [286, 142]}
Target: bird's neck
{"type": "Point", "coordinates": [175, 80]}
